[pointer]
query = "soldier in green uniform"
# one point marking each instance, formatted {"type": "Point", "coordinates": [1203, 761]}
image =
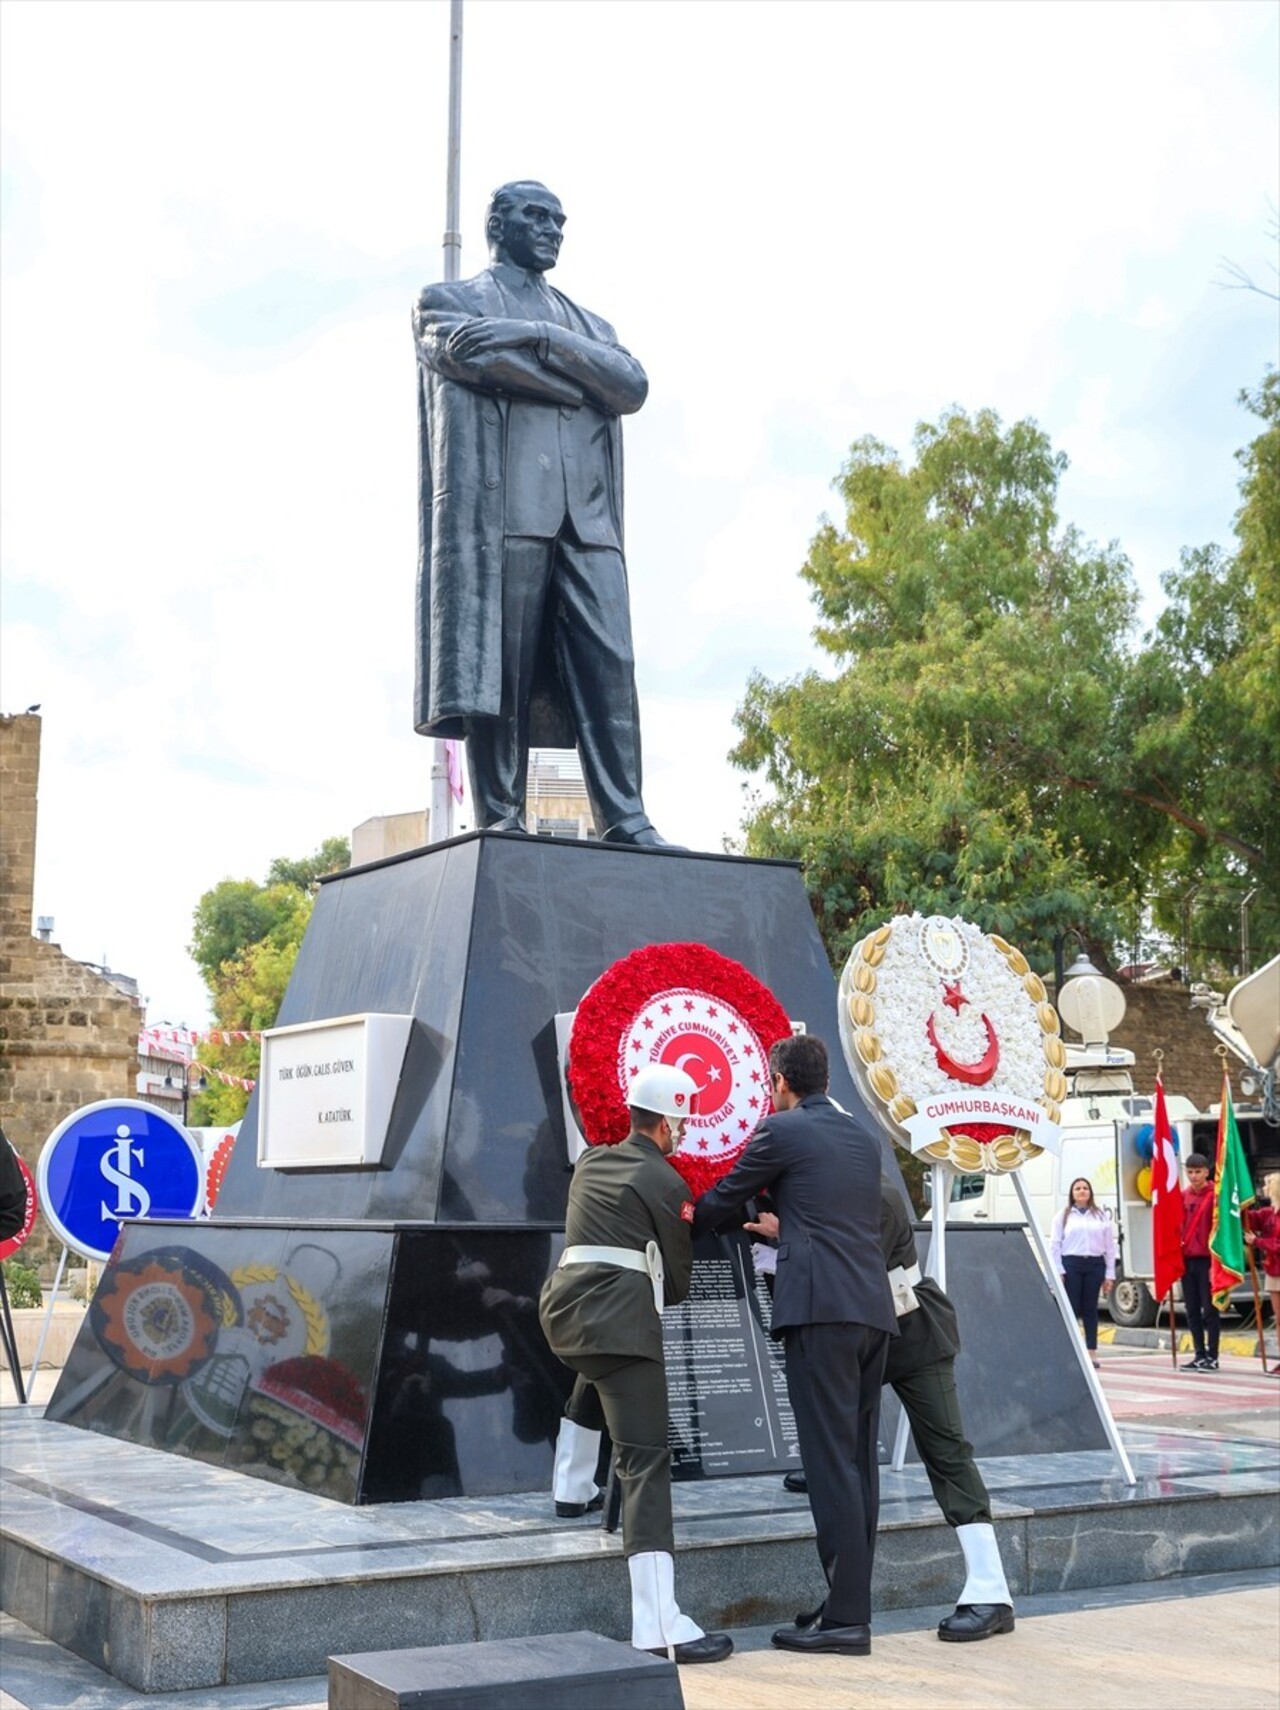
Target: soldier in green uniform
{"type": "Point", "coordinates": [629, 1251]}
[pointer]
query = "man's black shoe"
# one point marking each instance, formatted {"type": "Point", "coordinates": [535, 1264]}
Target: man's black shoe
{"type": "Point", "coordinates": [795, 1482]}
{"type": "Point", "coordinates": [976, 1621]}
{"type": "Point", "coordinates": [711, 1647]}
{"type": "Point", "coordinates": [842, 1641]}
{"type": "Point", "coordinates": [575, 1510]}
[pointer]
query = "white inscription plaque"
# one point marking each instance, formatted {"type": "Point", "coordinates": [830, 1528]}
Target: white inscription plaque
{"type": "Point", "coordinates": [325, 1091]}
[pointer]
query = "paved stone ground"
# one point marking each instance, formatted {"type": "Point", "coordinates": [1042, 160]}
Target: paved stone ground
{"type": "Point", "coordinates": [1212, 1642]}
{"type": "Point", "coordinates": [1195, 1644]}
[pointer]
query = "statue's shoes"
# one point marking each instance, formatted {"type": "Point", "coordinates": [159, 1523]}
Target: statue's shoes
{"type": "Point", "coordinates": [976, 1621]}
{"type": "Point", "coordinates": [711, 1647]}
{"type": "Point", "coordinates": [636, 833]}
{"type": "Point", "coordinates": [512, 822]}
{"type": "Point", "coordinates": [852, 1641]}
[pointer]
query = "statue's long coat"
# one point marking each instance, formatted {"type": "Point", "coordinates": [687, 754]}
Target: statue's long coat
{"type": "Point", "coordinates": [462, 419]}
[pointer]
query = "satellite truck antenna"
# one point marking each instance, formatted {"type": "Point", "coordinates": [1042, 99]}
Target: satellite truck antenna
{"type": "Point", "coordinates": [440, 815]}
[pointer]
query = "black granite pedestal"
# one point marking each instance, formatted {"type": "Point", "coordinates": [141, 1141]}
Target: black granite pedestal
{"type": "Point", "coordinates": [371, 1334]}
{"type": "Point", "coordinates": [484, 941]}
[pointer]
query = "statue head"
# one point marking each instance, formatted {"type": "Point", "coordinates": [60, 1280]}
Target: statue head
{"type": "Point", "coordinates": [525, 225]}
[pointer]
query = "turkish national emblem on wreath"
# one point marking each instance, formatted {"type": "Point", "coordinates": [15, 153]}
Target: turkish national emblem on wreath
{"type": "Point", "coordinates": [954, 1043]}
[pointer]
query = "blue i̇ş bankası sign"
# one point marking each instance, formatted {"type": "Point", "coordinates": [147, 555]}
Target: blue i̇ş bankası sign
{"type": "Point", "coordinates": [114, 1160]}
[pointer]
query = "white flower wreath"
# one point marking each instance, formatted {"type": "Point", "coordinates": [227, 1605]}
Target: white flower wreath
{"type": "Point", "coordinates": [954, 1043]}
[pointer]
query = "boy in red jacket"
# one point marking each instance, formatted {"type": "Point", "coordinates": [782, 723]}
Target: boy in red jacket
{"type": "Point", "coordinates": [1197, 1222]}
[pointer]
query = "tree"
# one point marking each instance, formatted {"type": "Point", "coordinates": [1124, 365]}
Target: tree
{"type": "Point", "coordinates": [333, 855]}
{"type": "Point", "coordinates": [980, 650]}
{"type": "Point", "coordinates": [1206, 743]}
{"type": "Point", "coordinates": [991, 743]}
{"type": "Point", "coordinates": [245, 943]}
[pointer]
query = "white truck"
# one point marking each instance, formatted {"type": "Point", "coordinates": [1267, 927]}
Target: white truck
{"type": "Point", "coordinates": [1107, 1126]}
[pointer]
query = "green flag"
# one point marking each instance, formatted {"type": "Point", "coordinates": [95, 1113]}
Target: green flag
{"type": "Point", "coordinates": [1232, 1191]}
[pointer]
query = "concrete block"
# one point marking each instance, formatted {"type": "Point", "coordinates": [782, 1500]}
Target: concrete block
{"type": "Point", "coordinates": [558, 1671]}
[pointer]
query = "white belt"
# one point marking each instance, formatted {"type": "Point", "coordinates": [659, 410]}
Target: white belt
{"type": "Point", "coordinates": [902, 1280]}
{"type": "Point", "coordinates": [649, 1263]}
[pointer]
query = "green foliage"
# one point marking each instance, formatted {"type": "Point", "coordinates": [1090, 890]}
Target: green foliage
{"type": "Point", "coordinates": [990, 742]}
{"type": "Point", "coordinates": [245, 943]}
{"type": "Point", "coordinates": [333, 855]}
{"type": "Point", "coordinates": [234, 913]}
{"type": "Point", "coordinates": [975, 639]}
{"type": "Point", "coordinates": [1206, 737]}
{"type": "Point", "coordinates": [23, 1284]}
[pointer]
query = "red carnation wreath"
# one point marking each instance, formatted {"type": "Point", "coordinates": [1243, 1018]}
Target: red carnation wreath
{"type": "Point", "coordinates": [689, 1006]}
{"type": "Point", "coordinates": [217, 1170]}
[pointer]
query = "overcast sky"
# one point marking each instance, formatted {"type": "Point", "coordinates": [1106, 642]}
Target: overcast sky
{"type": "Point", "coordinates": [809, 221]}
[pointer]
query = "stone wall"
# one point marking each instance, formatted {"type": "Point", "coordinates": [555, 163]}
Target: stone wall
{"type": "Point", "coordinates": [67, 1036]}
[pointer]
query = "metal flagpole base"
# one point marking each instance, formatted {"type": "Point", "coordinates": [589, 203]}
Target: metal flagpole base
{"type": "Point", "coordinates": [1069, 1317]}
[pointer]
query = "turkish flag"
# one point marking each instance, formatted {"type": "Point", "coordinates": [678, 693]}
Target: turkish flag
{"type": "Point", "coordinates": [1166, 1201]}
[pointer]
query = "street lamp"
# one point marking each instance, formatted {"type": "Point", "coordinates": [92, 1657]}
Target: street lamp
{"type": "Point", "coordinates": [1081, 965]}
{"type": "Point", "coordinates": [186, 1086]}
{"type": "Point", "coordinates": [1086, 1000]}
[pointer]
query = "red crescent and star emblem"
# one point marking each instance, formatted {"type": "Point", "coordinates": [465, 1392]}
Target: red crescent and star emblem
{"type": "Point", "coordinates": [715, 1046]}
{"type": "Point", "coordinates": [971, 1074]}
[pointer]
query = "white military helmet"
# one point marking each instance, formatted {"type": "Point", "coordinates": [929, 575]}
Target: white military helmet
{"type": "Point", "coordinates": [665, 1090]}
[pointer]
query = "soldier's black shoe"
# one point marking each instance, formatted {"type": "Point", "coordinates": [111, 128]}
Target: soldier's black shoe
{"type": "Point", "coordinates": [711, 1647]}
{"type": "Point", "coordinates": [843, 1641]}
{"type": "Point", "coordinates": [795, 1482]}
{"type": "Point", "coordinates": [976, 1621]}
{"type": "Point", "coordinates": [575, 1510]}
{"type": "Point", "coordinates": [811, 1618]}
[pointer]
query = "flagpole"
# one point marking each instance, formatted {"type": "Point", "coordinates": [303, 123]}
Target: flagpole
{"type": "Point", "coordinates": [1167, 1303]}
{"type": "Point", "coordinates": [440, 819]}
{"type": "Point", "coordinates": [1232, 1192]}
{"type": "Point", "coordinates": [1257, 1305]}
{"type": "Point", "coordinates": [1166, 1198]}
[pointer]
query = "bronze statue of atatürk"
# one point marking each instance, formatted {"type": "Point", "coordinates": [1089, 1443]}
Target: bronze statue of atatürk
{"type": "Point", "coordinates": [524, 632]}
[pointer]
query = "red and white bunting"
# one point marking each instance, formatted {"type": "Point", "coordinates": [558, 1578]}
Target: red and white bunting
{"type": "Point", "coordinates": [189, 1036]}
{"type": "Point", "coordinates": [206, 1069]}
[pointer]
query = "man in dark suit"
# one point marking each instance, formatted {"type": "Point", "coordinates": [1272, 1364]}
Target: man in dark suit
{"type": "Point", "coordinates": [524, 631]}
{"type": "Point", "coordinates": [833, 1306]}
{"type": "Point", "coordinates": [920, 1369]}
